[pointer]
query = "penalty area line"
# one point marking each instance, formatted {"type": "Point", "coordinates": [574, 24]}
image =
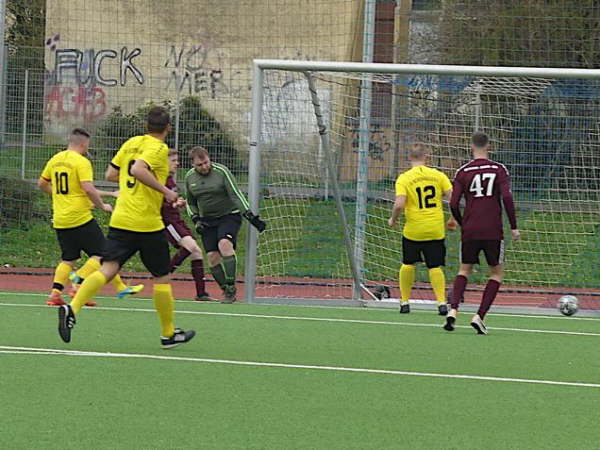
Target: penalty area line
{"type": "Point", "coordinates": [315, 319]}
{"type": "Point", "coordinates": [58, 352]}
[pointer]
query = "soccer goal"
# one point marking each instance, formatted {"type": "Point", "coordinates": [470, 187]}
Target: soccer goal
{"type": "Point", "coordinates": [329, 139]}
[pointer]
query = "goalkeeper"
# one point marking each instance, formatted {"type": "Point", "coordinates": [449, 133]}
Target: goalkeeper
{"type": "Point", "coordinates": [216, 206]}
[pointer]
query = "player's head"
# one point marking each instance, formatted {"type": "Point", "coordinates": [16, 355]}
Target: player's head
{"type": "Point", "coordinates": [79, 140]}
{"type": "Point", "coordinates": [158, 121]}
{"type": "Point", "coordinates": [418, 153]}
{"type": "Point", "coordinates": [480, 144]}
{"type": "Point", "coordinates": [200, 160]}
{"type": "Point", "coordinates": [173, 160]}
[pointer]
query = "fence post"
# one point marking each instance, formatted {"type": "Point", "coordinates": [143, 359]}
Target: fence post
{"type": "Point", "coordinates": [3, 70]}
{"type": "Point", "coordinates": [24, 130]}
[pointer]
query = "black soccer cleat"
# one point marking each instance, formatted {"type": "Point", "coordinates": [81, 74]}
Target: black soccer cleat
{"type": "Point", "coordinates": [442, 310]}
{"type": "Point", "coordinates": [478, 324]}
{"type": "Point", "coordinates": [229, 291]}
{"type": "Point", "coordinates": [449, 325]}
{"type": "Point", "coordinates": [404, 309]}
{"type": "Point", "coordinates": [179, 337]}
{"type": "Point", "coordinates": [66, 322]}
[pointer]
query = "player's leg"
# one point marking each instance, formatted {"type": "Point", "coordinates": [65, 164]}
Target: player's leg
{"type": "Point", "coordinates": [469, 255]}
{"type": "Point", "coordinates": [494, 255]}
{"type": "Point", "coordinates": [227, 232]}
{"type": "Point", "coordinates": [174, 238]}
{"type": "Point", "coordinates": [190, 244]}
{"type": "Point", "coordinates": [154, 252]}
{"type": "Point", "coordinates": [70, 253]}
{"type": "Point", "coordinates": [211, 246]}
{"type": "Point", "coordinates": [435, 259]}
{"type": "Point", "coordinates": [411, 254]}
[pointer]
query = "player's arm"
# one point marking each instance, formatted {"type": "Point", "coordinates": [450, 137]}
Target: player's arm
{"type": "Point", "coordinates": [94, 195]}
{"type": "Point", "coordinates": [509, 204]}
{"type": "Point", "coordinates": [114, 194]}
{"type": "Point", "coordinates": [45, 185]}
{"type": "Point", "coordinates": [446, 188]}
{"type": "Point", "coordinates": [399, 205]}
{"type": "Point", "coordinates": [457, 193]}
{"type": "Point", "coordinates": [238, 198]}
{"type": "Point", "coordinates": [193, 207]}
{"type": "Point", "coordinates": [112, 173]}
{"type": "Point", "coordinates": [140, 170]}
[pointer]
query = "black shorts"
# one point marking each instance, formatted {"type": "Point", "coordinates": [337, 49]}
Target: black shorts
{"type": "Point", "coordinates": [225, 227]}
{"type": "Point", "coordinates": [87, 237]}
{"type": "Point", "coordinates": [492, 248]}
{"type": "Point", "coordinates": [432, 252]}
{"type": "Point", "coordinates": [153, 247]}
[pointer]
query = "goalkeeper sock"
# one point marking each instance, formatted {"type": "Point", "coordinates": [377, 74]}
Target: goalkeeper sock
{"type": "Point", "coordinates": [61, 276]}
{"type": "Point", "coordinates": [178, 258]}
{"type": "Point", "coordinates": [458, 290]}
{"type": "Point", "coordinates": [164, 304]}
{"type": "Point", "coordinates": [438, 283]}
{"type": "Point", "coordinates": [118, 283]}
{"type": "Point", "coordinates": [489, 295]}
{"type": "Point", "coordinates": [229, 265]}
{"type": "Point", "coordinates": [218, 275]}
{"type": "Point", "coordinates": [407, 279]}
{"type": "Point", "coordinates": [90, 266]}
{"type": "Point", "coordinates": [198, 275]}
{"type": "Point", "coordinates": [88, 289]}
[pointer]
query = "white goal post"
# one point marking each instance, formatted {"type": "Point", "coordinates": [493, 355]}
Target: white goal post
{"type": "Point", "coordinates": [322, 164]}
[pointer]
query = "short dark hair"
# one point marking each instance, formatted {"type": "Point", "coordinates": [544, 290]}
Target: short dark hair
{"type": "Point", "coordinates": [158, 119]}
{"type": "Point", "coordinates": [198, 152]}
{"type": "Point", "coordinates": [80, 132]}
{"type": "Point", "coordinates": [418, 151]}
{"type": "Point", "coordinates": [480, 139]}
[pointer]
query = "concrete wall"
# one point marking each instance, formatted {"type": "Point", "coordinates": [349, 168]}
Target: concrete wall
{"type": "Point", "coordinates": [106, 53]}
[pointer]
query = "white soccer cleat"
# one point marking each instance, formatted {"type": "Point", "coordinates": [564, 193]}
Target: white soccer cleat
{"type": "Point", "coordinates": [478, 324]}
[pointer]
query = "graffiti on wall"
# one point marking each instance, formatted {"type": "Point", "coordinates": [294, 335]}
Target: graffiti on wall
{"type": "Point", "coordinates": [379, 142]}
{"type": "Point", "coordinates": [74, 85]}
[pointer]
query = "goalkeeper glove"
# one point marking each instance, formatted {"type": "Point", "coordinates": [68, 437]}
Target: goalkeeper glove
{"type": "Point", "coordinates": [255, 221]}
{"type": "Point", "coordinates": [199, 223]}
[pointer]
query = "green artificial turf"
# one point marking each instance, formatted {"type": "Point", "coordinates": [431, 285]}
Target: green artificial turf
{"type": "Point", "coordinates": [69, 401]}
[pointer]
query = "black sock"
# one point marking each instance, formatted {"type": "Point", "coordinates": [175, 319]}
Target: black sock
{"type": "Point", "coordinates": [229, 263]}
{"type": "Point", "coordinates": [218, 275]}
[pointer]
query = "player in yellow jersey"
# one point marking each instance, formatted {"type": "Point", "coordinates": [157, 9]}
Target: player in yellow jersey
{"type": "Point", "coordinates": [419, 193]}
{"type": "Point", "coordinates": [142, 167]}
{"type": "Point", "coordinates": [68, 178]}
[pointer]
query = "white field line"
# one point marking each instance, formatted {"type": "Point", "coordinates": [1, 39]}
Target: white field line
{"type": "Point", "coordinates": [50, 351]}
{"type": "Point", "coordinates": [317, 319]}
{"type": "Point", "coordinates": [268, 305]}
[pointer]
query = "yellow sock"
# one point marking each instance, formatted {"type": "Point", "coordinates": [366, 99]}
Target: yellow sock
{"type": "Point", "coordinates": [165, 308]}
{"type": "Point", "coordinates": [61, 275]}
{"type": "Point", "coordinates": [438, 283]}
{"type": "Point", "coordinates": [90, 266]}
{"type": "Point", "coordinates": [407, 279]}
{"type": "Point", "coordinates": [118, 283]}
{"type": "Point", "coordinates": [88, 289]}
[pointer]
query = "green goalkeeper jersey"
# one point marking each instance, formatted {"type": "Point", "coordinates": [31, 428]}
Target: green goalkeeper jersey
{"type": "Point", "coordinates": [215, 194]}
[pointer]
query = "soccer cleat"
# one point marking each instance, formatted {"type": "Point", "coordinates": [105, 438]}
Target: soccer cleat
{"type": "Point", "coordinates": [130, 290]}
{"type": "Point", "coordinates": [449, 325]}
{"type": "Point", "coordinates": [204, 298]}
{"type": "Point", "coordinates": [478, 324]}
{"type": "Point", "coordinates": [55, 299]}
{"type": "Point", "coordinates": [229, 291]}
{"type": "Point", "coordinates": [73, 290]}
{"type": "Point", "coordinates": [442, 310]}
{"type": "Point", "coordinates": [66, 322]}
{"type": "Point", "coordinates": [75, 279]}
{"type": "Point", "coordinates": [404, 308]}
{"type": "Point", "coordinates": [90, 303]}
{"type": "Point", "coordinates": [179, 337]}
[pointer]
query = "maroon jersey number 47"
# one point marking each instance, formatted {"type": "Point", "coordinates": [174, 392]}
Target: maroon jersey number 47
{"type": "Point", "coordinates": [484, 184]}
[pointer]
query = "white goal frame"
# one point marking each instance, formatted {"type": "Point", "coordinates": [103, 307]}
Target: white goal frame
{"type": "Point", "coordinates": [306, 67]}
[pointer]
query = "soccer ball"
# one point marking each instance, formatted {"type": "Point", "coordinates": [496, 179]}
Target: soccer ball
{"type": "Point", "coordinates": [382, 292]}
{"type": "Point", "coordinates": [568, 305]}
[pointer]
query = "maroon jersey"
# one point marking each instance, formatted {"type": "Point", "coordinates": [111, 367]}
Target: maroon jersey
{"type": "Point", "coordinates": [168, 213]}
{"type": "Point", "coordinates": [484, 184]}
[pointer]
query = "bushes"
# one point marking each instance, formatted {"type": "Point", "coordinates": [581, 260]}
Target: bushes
{"type": "Point", "coordinates": [17, 203]}
{"type": "Point", "coordinates": [196, 127]}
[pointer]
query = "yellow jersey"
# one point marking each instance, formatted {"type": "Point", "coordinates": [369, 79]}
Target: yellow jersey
{"type": "Point", "coordinates": [138, 206]}
{"type": "Point", "coordinates": [423, 188]}
{"type": "Point", "coordinates": [71, 207]}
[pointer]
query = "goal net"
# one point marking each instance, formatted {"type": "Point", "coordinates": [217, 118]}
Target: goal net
{"type": "Point", "coordinates": [328, 236]}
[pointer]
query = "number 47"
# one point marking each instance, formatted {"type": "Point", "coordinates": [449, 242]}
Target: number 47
{"type": "Point", "coordinates": [477, 184]}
